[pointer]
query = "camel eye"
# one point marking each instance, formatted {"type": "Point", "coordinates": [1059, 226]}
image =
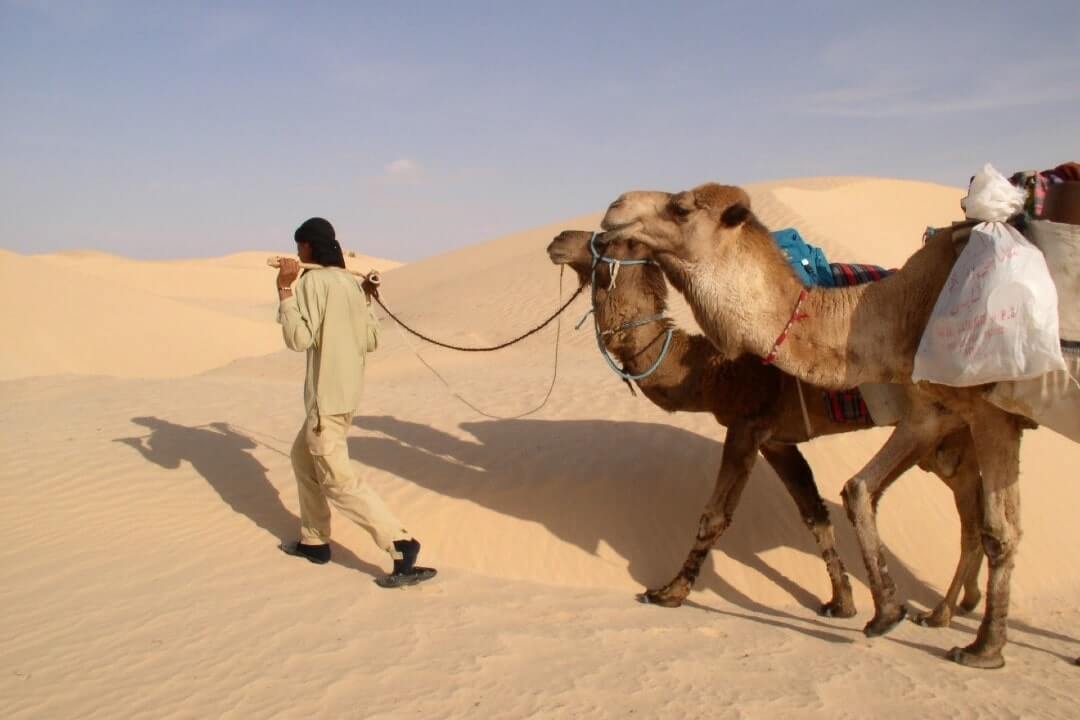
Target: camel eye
{"type": "Point", "coordinates": [678, 207]}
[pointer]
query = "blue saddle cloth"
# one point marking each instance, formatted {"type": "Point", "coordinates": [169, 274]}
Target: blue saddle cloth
{"type": "Point", "coordinates": [808, 262]}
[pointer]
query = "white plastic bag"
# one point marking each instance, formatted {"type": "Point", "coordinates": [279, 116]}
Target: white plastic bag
{"type": "Point", "coordinates": [996, 318]}
{"type": "Point", "coordinates": [991, 197]}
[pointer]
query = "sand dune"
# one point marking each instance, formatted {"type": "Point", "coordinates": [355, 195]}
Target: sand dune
{"type": "Point", "coordinates": [96, 314]}
{"type": "Point", "coordinates": [139, 564]}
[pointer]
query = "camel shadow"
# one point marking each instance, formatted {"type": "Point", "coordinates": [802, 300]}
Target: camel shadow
{"type": "Point", "coordinates": [222, 456]}
{"type": "Point", "coordinates": [638, 487]}
{"type": "Point", "coordinates": [772, 617]}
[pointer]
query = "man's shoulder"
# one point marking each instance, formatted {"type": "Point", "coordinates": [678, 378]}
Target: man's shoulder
{"type": "Point", "coordinates": [318, 276]}
{"type": "Point", "coordinates": [330, 280]}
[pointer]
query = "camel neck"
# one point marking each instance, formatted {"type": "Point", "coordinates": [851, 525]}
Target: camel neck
{"type": "Point", "coordinates": [849, 336]}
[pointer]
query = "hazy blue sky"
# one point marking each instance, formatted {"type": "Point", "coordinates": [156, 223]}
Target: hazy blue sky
{"type": "Point", "coordinates": [174, 129]}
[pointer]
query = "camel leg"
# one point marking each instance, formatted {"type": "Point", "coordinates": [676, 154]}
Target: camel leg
{"type": "Point", "coordinates": [972, 591]}
{"type": "Point", "coordinates": [798, 478]}
{"type": "Point", "coordinates": [997, 443]}
{"type": "Point", "coordinates": [964, 482]}
{"type": "Point", "coordinates": [740, 452]}
{"type": "Point", "coordinates": [860, 495]}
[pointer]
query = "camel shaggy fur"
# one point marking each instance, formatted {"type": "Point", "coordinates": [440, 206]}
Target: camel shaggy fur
{"type": "Point", "coordinates": [763, 411]}
{"type": "Point", "coordinates": [748, 300]}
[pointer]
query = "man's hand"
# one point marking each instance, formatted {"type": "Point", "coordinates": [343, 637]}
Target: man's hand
{"type": "Point", "coordinates": [370, 289]}
{"type": "Point", "coordinates": [288, 271]}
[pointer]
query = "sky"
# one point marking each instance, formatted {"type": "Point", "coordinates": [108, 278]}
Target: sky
{"type": "Point", "coordinates": [189, 129]}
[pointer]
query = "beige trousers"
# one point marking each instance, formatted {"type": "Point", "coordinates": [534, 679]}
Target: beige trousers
{"type": "Point", "coordinates": [324, 473]}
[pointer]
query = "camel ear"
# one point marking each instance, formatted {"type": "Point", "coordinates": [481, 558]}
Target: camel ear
{"type": "Point", "coordinates": [735, 215]}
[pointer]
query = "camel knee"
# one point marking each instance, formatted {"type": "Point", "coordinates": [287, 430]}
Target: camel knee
{"type": "Point", "coordinates": [711, 526]}
{"type": "Point", "coordinates": [999, 546]}
{"type": "Point", "coordinates": [816, 515]}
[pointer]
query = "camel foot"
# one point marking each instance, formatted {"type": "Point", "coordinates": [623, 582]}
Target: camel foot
{"type": "Point", "coordinates": [885, 621]}
{"type": "Point", "coordinates": [968, 658]}
{"type": "Point", "coordinates": [838, 609]}
{"type": "Point", "coordinates": [938, 617]}
{"type": "Point", "coordinates": [659, 597]}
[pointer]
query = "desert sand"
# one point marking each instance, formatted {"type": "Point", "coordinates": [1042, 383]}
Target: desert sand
{"type": "Point", "coordinates": [149, 409]}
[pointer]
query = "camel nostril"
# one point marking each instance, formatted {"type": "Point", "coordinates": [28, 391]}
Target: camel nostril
{"type": "Point", "coordinates": [615, 205]}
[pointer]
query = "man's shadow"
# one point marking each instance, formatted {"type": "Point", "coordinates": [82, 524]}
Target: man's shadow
{"type": "Point", "coordinates": [222, 456]}
{"type": "Point", "coordinates": [638, 487]}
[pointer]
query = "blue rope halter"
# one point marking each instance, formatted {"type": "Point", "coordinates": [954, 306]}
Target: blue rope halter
{"type": "Point", "coordinates": [615, 263]}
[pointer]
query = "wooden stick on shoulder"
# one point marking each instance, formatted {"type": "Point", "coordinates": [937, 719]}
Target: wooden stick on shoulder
{"type": "Point", "coordinates": [372, 277]}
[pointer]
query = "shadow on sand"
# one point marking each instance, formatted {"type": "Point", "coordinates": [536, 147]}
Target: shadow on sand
{"type": "Point", "coordinates": [638, 487]}
{"type": "Point", "coordinates": [222, 456]}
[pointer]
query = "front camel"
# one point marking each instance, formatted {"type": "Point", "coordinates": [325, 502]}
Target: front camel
{"type": "Point", "coordinates": [748, 300]}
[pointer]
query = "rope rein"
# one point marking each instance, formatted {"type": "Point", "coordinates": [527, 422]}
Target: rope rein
{"type": "Point", "coordinates": [487, 348]}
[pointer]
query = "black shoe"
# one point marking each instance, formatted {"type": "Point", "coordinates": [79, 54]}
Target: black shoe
{"type": "Point", "coordinates": [318, 554]}
{"type": "Point", "coordinates": [413, 577]}
{"type": "Point", "coordinates": [406, 571]}
{"type": "Point", "coordinates": [410, 550]}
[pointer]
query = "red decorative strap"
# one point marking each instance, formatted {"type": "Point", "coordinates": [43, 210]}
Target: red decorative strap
{"type": "Point", "coordinates": [796, 316]}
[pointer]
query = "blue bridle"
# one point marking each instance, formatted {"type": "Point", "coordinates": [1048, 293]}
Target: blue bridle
{"type": "Point", "coordinates": [615, 264]}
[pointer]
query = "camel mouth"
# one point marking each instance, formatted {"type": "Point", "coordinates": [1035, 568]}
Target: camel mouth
{"type": "Point", "coordinates": [567, 252]}
{"type": "Point", "coordinates": [559, 254]}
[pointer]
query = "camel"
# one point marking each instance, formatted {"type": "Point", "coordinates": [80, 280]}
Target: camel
{"type": "Point", "coordinates": [748, 300]}
{"type": "Point", "coordinates": [763, 410]}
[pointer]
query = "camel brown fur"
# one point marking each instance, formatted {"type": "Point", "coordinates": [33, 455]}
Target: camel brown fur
{"type": "Point", "coordinates": [762, 409]}
{"type": "Point", "coordinates": [743, 293]}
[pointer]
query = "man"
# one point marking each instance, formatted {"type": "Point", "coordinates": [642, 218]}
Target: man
{"type": "Point", "coordinates": [328, 316]}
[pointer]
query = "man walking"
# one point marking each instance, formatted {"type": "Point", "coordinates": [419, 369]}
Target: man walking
{"type": "Point", "coordinates": [329, 317]}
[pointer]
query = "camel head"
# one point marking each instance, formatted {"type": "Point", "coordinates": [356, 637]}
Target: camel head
{"type": "Point", "coordinates": [688, 225]}
{"type": "Point", "coordinates": [571, 247]}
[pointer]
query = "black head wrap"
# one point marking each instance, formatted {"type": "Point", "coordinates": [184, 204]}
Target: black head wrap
{"type": "Point", "coordinates": [319, 234]}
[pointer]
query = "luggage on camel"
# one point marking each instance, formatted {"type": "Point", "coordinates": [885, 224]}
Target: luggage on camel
{"type": "Point", "coordinates": [1053, 400]}
{"type": "Point", "coordinates": [1045, 198]}
{"type": "Point", "coordinates": [996, 319]}
{"type": "Point", "coordinates": [1052, 223]}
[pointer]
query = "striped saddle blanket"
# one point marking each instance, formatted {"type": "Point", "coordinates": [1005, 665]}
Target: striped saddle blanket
{"type": "Point", "coordinates": [848, 406]}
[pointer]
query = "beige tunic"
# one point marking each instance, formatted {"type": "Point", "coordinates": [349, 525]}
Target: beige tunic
{"type": "Point", "coordinates": [330, 318]}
